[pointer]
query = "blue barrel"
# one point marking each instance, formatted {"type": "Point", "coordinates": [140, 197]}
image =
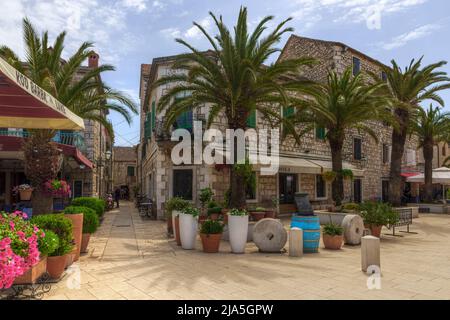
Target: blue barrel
{"type": "Point", "coordinates": [311, 231]}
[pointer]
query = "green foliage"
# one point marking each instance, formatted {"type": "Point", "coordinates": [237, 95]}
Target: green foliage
{"type": "Point", "coordinates": [211, 227]}
{"type": "Point", "coordinates": [213, 204]}
{"type": "Point", "coordinates": [61, 226]}
{"type": "Point", "coordinates": [214, 210]}
{"type": "Point", "coordinates": [347, 174]}
{"type": "Point", "coordinates": [332, 229]}
{"type": "Point", "coordinates": [49, 243]}
{"type": "Point", "coordinates": [205, 196]}
{"type": "Point", "coordinates": [378, 213]}
{"type": "Point", "coordinates": [90, 217]}
{"type": "Point", "coordinates": [329, 176]}
{"type": "Point", "coordinates": [237, 212]}
{"type": "Point", "coordinates": [175, 204]}
{"type": "Point", "coordinates": [259, 209]}
{"type": "Point", "coordinates": [98, 205]}
{"type": "Point", "coordinates": [191, 210]}
{"type": "Point", "coordinates": [351, 207]}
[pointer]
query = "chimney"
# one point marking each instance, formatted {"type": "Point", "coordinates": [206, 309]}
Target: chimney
{"type": "Point", "coordinates": [93, 60]}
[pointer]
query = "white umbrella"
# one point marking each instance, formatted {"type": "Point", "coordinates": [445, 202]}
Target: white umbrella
{"type": "Point", "coordinates": [440, 176]}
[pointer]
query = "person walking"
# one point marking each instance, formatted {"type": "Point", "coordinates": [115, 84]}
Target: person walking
{"type": "Point", "coordinates": [117, 196]}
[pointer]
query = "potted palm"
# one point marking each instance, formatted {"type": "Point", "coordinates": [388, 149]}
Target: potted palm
{"type": "Point", "coordinates": [188, 227]}
{"type": "Point", "coordinates": [173, 209]}
{"type": "Point", "coordinates": [333, 236]}
{"type": "Point", "coordinates": [211, 233]}
{"type": "Point", "coordinates": [376, 215]}
{"type": "Point", "coordinates": [238, 229]}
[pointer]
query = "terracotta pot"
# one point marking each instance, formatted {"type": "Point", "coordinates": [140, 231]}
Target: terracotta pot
{"type": "Point", "coordinates": [85, 241]}
{"type": "Point", "coordinates": [77, 221]}
{"type": "Point", "coordinates": [210, 242]}
{"type": "Point", "coordinates": [70, 258]}
{"type": "Point", "coordinates": [25, 195]}
{"type": "Point", "coordinates": [270, 214]}
{"type": "Point", "coordinates": [33, 274]}
{"type": "Point", "coordinates": [170, 226]}
{"type": "Point", "coordinates": [333, 242]}
{"type": "Point", "coordinates": [55, 266]}
{"type": "Point", "coordinates": [256, 216]}
{"type": "Point", "coordinates": [177, 231]}
{"type": "Point", "coordinates": [376, 230]}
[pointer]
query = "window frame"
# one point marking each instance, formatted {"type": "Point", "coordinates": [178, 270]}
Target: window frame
{"type": "Point", "coordinates": [354, 59]}
{"type": "Point", "coordinates": [325, 197]}
{"type": "Point", "coordinates": [172, 186]}
{"type": "Point", "coordinates": [360, 149]}
{"type": "Point", "coordinates": [128, 171]}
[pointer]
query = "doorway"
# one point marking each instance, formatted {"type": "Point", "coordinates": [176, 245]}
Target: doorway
{"type": "Point", "coordinates": [287, 187]}
{"type": "Point", "coordinates": [77, 188]}
{"type": "Point", "coordinates": [357, 191]}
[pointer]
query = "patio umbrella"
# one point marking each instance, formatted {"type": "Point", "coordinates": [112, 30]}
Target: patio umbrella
{"type": "Point", "coordinates": [440, 176]}
{"type": "Point", "coordinates": [23, 104]}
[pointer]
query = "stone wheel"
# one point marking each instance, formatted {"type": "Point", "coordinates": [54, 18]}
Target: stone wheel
{"type": "Point", "coordinates": [353, 229]}
{"type": "Point", "coordinates": [269, 235]}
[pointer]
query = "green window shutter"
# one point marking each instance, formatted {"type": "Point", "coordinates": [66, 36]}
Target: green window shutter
{"type": "Point", "coordinates": [130, 171]}
{"type": "Point", "coordinates": [153, 114]}
{"type": "Point", "coordinates": [320, 133]}
{"type": "Point", "coordinates": [251, 120]}
{"type": "Point", "coordinates": [287, 112]}
{"type": "Point", "coordinates": [184, 121]}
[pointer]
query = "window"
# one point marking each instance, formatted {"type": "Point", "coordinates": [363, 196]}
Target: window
{"type": "Point", "coordinates": [288, 111]}
{"type": "Point", "coordinates": [384, 76]}
{"type": "Point", "coordinates": [356, 66]}
{"type": "Point", "coordinates": [320, 133]}
{"type": "Point", "coordinates": [182, 183]}
{"type": "Point", "coordinates": [321, 187]}
{"type": "Point", "coordinates": [130, 171]}
{"type": "Point", "coordinates": [357, 191]}
{"type": "Point", "coordinates": [184, 121]}
{"type": "Point", "coordinates": [250, 188]}
{"type": "Point", "coordinates": [357, 148]}
{"type": "Point", "coordinates": [386, 152]}
{"type": "Point", "coordinates": [251, 120]}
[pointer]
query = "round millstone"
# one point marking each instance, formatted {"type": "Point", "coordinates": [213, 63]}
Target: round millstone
{"type": "Point", "coordinates": [269, 235]}
{"type": "Point", "coordinates": [353, 229]}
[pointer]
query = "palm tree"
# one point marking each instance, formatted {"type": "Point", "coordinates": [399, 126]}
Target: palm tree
{"type": "Point", "coordinates": [431, 127]}
{"type": "Point", "coordinates": [234, 81]}
{"type": "Point", "coordinates": [407, 89]}
{"type": "Point", "coordinates": [88, 97]}
{"type": "Point", "coordinates": [342, 103]}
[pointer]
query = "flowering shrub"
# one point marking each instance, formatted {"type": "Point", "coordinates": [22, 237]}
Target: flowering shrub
{"type": "Point", "coordinates": [21, 187]}
{"type": "Point", "coordinates": [57, 188]}
{"type": "Point", "coordinates": [18, 246]}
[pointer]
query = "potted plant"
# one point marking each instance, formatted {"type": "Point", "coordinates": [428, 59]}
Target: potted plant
{"type": "Point", "coordinates": [173, 209]}
{"type": "Point", "coordinates": [24, 190]}
{"type": "Point", "coordinates": [347, 174]}
{"type": "Point", "coordinates": [376, 215]}
{"type": "Point", "coordinates": [214, 212]}
{"type": "Point", "coordinates": [98, 205]}
{"type": "Point", "coordinates": [19, 250]}
{"type": "Point", "coordinates": [188, 227]}
{"type": "Point", "coordinates": [205, 197]}
{"type": "Point", "coordinates": [258, 213]}
{"type": "Point", "coordinates": [90, 224]}
{"type": "Point", "coordinates": [57, 188]}
{"type": "Point", "coordinates": [333, 236]}
{"type": "Point", "coordinates": [211, 233]}
{"type": "Point", "coordinates": [329, 176]}
{"type": "Point", "coordinates": [238, 229]}
{"type": "Point", "coordinates": [63, 228]}
{"type": "Point", "coordinates": [76, 216]}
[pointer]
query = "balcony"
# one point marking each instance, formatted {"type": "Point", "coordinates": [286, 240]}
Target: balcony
{"type": "Point", "coordinates": [71, 138]}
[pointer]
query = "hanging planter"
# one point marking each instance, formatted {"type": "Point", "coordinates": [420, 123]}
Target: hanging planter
{"type": "Point", "coordinates": [329, 176]}
{"type": "Point", "coordinates": [347, 174]}
{"type": "Point", "coordinates": [57, 188]}
{"type": "Point", "coordinates": [24, 190]}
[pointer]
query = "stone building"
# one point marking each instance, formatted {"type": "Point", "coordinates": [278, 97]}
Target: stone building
{"type": "Point", "coordinates": [125, 168]}
{"type": "Point", "coordinates": [301, 166]}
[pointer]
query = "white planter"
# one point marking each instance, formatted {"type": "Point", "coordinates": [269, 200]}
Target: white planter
{"type": "Point", "coordinates": [188, 231]}
{"type": "Point", "coordinates": [174, 214]}
{"type": "Point", "coordinates": [238, 229]}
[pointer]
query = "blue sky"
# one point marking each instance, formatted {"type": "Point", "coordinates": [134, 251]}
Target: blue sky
{"type": "Point", "coordinates": [130, 32]}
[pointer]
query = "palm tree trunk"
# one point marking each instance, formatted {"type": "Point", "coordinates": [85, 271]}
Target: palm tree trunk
{"type": "Point", "coordinates": [237, 181]}
{"type": "Point", "coordinates": [337, 187]}
{"type": "Point", "coordinates": [428, 156]}
{"type": "Point", "coordinates": [398, 148]}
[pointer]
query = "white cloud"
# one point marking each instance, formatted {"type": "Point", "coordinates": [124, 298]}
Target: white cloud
{"type": "Point", "coordinates": [194, 32]}
{"type": "Point", "coordinates": [171, 32]}
{"type": "Point", "coordinates": [415, 34]}
{"type": "Point", "coordinates": [158, 4]}
{"type": "Point", "coordinates": [139, 5]}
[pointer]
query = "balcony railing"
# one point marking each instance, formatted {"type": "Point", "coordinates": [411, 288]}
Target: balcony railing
{"type": "Point", "coordinates": [70, 138]}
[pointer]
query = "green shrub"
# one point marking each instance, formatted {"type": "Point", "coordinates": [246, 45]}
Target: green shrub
{"type": "Point", "coordinates": [61, 226]}
{"type": "Point", "coordinates": [378, 213]}
{"type": "Point", "coordinates": [191, 210]}
{"type": "Point", "coordinates": [94, 203]}
{"type": "Point", "coordinates": [48, 244]}
{"type": "Point", "coordinates": [214, 210]}
{"type": "Point", "coordinates": [175, 203]}
{"type": "Point", "coordinates": [332, 229]}
{"type": "Point", "coordinates": [90, 217]}
{"type": "Point", "coordinates": [237, 212]}
{"type": "Point", "coordinates": [211, 227]}
{"type": "Point", "coordinates": [205, 196]}
{"type": "Point", "coordinates": [260, 209]}
{"type": "Point", "coordinates": [351, 207]}
{"type": "Point", "coordinates": [213, 204]}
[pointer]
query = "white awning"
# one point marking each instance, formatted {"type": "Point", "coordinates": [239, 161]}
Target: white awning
{"type": "Point", "coordinates": [327, 166]}
{"type": "Point", "coordinates": [440, 176]}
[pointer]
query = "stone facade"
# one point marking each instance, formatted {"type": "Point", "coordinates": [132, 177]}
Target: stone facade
{"type": "Point", "coordinates": [125, 167]}
{"type": "Point", "coordinates": [157, 169]}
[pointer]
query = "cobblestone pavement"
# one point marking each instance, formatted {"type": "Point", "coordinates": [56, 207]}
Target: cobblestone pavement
{"type": "Point", "coordinates": [131, 258]}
